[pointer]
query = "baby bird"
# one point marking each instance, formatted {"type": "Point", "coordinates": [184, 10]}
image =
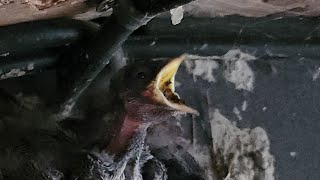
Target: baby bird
{"type": "Point", "coordinates": [106, 144]}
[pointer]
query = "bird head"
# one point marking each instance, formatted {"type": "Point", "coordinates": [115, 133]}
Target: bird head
{"type": "Point", "coordinates": [147, 94]}
{"type": "Point", "coordinates": [147, 89]}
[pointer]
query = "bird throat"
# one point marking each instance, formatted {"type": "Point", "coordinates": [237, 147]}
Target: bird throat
{"type": "Point", "coordinates": [125, 129]}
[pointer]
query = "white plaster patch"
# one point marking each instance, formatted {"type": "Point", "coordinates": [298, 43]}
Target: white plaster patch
{"type": "Point", "coordinates": [293, 154]}
{"type": "Point", "coordinates": [176, 15]}
{"type": "Point", "coordinates": [202, 156]}
{"type": "Point", "coordinates": [244, 105]}
{"type": "Point", "coordinates": [234, 149]}
{"type": "Point", "coordinates": [237, 113]}
{"type": "Point", "coordinates": [13, 73]}
{"type": "Point", "coordinates": [316, 74]}
{"type": "Point", "coordinates": [264, 109]}
{"type": "Point", "coordinates": [30, 67]}
{"type": "Point", "coordinates": [204, 47]}
{"type": "Point", "coordinates": [237, 69]}
{"type": "Point", "coordinates": [201, 67]}
{"type": "Point", "coordinates": [153, 43]}
{"type": "Point", "coordinates": [67, 109]}
{"type": "Point", "coordinates": [4, 54]}
{"type": "Point", "coordinates": [177, 84]}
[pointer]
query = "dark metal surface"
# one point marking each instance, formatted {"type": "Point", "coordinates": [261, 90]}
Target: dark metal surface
{"type": "Point", "coordinates": [214, 36]}
{"type": "Point", "coordinates": [15, 66]}
{"type": "Point", "coordinates": [97, 54]}
{"type": "Point", "coordinates": [30, 36]}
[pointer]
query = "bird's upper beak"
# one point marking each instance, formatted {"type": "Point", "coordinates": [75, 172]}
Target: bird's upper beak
{"type": "Point", "coordinates": [162, 88]}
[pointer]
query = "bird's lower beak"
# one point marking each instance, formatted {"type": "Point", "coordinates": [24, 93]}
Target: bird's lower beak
{"type": "Point", "coordinates": [162, 88]}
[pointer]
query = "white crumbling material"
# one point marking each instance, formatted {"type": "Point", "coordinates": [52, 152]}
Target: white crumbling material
{"type": "Point", "coordinates": [66, 112]}
{"type": "Point", "coordinates": [240, 154]}
{"type": "Point", "coordinates": [153, 43]}
{"type": "Point", "coordinates": [204, 47]}
{"type": "Point", "coordinates": [201, 67]}
{"type": "Point", "coordinates": [237, 113]}
{"type": "Point", "coordinates": [293, 154]}
{"type": "Point", "coordinates": [202, 156]}
{"type": "Point", "coordinates": [4, 54]}
{"type": "Point", "coordinates": [176, 15]}
{"type": "Point", "coordinates": [237, 69]}
{"type": "Point", "coordinates": [30, 67]}
{"type": "Point", "coordinates": [244, 105]}
{"type": "Point", "coordinates": [264, 109]}
{"type": "Point", "coordinates": [13, 73]}
{"type": "Point", "coordinates": [316, 75]}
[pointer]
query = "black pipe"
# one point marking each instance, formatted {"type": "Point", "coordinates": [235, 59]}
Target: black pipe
{"type": "Point", "coordinates": [162, 47]}
{"type": "Point", "coordinates": [97, 55]}
{"type": "Point", "coordinates": [98, 52]}
{"type": "Point", "coordinates": [17, 66]}
{"type": "Point", "coordinates": [237, 29]}
{"type": "Point", "coordinates": [202, 36]}
{"type": "Point", "coordinates": [43, 34]}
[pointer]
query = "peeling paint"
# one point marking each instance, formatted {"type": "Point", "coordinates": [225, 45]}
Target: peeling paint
{"type": "Point", "coordinates": [264, 109]}
{"type": "Point", "coordinates": [177, 84]}
{"type": "Point", "coordinates": [13, 73]}
{"type": "Point", "coordinates": [316, 74]}
{"type": "Point", "coordinates": [202, 156]}
{"type": "Point", "coordinates": [293, 154]}
{"type": "Point", "coordinates": [4, 54]}
{"type": "Point", "coordinates": [201, 67]}
{"type": "Point", "coordinates": [66, 110]}
{"type": "Point", "coordinates": [153, 43]}
{"type": "Point", "coordinates": [234, 149]}
{"type": "Point", "coordinates": [244, 105]}
{"type": "Point", "coordinates": [30, 67]}
{"type": "Point", "coordinates": [203, 47]}
{"type": "Point", "coordinates": [237, 69]}
{"type": "Point", "coordinates": [274, 70]}
{"type": "Point", "coordinates": [276, 55]}
{"type": "Point", "coordinates": [237, 113]}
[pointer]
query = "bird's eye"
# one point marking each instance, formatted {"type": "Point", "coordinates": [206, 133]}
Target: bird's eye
{"type": "Point", "coordinates": [141, 75]}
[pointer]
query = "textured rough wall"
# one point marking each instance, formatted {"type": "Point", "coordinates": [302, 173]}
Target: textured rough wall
{"type": "Point", "coordinates": [253, 8]}
{"type": "Point", "coordinates": [15, 11]}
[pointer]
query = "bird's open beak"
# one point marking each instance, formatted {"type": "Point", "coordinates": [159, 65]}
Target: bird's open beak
{"type": "Point", "coordinates": [162, 88]}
